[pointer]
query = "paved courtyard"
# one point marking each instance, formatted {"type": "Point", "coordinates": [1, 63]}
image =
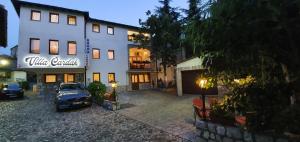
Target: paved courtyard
{"type": "Point", "coordinates": [34, 119]}
{"type": "Point", "coordinates": [164, 111]}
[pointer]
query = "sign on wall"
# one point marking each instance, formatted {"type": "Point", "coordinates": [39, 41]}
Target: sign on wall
{"type": "Point", "coordinates": [38, 61]}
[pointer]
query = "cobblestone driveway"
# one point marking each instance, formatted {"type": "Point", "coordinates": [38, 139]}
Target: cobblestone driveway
{"type": "Point", "coordinates": [164, 111]}
{"type": "Point", "coordinates": [34, 119]}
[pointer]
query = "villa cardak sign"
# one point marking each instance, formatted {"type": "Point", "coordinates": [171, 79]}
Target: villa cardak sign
{"type": "Point", "coordinates": [37, 61]}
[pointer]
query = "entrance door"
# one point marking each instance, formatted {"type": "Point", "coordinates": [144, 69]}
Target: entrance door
{"type": "Point", "coordinates": [135, 82]}
{"type": "Point", "coordinates": [69, 78]}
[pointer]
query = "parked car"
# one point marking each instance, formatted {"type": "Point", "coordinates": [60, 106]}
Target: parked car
{"type": "Point", "coordinates": [72, 95]}
{"type": "Point", "coordinates": [11, 90]}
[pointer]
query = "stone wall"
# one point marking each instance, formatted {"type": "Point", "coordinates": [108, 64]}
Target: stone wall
{"type": "Point", "coordinates": [218, 133]}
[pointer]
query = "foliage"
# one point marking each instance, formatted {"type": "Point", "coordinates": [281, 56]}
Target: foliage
{"type": "Point", "coordinates": [257, 39]}
{"type": "Point", "coordinates": [288, 120]}
{"type": "Point", "coordinates": [97, 90]}
{"type": "Point", "coordinates": [164, 27]}
{"type": "Point", "coordinates": [219, 114]}
{"type": "Point", "coordinates": [24, 85]}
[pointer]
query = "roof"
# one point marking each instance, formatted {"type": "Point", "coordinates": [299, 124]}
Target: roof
{"type": "Point", "coordinates": [113, 23]}
{"type": "Point", "coordinates": [17, 4]}
{"type": "Point", "coordinates": [192, 62]}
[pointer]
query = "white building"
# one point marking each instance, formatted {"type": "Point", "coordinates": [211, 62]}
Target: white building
{"type": "Point", "coordinates": [64, 45]}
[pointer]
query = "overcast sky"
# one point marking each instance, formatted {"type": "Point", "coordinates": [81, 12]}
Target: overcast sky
{"type": "Point", "coordinates": [120, 11]}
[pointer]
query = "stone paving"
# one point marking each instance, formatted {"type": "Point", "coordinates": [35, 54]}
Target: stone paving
{"type": "Point", "coordinates": [164, 111]}
{"type": "Point", "coordinates": [34, 119]}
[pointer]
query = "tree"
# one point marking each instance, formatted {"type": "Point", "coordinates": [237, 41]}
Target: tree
{"type": "Point", "coordinates": [256, 38]}
{"type": "Point", "coordinates": [165, 30]}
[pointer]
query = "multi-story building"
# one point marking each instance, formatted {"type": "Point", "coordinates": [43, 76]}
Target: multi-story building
{"type": "Point", "coordinates": [64, 45]}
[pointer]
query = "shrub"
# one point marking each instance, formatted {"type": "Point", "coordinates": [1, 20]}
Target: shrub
{"type": "Point", "coordinates": [219, 115]}
{"type": "Point", "coordinates": [288, 120]}
{"type": "Point", "coordinates": [24, 85]}
{"type": "Point", "coordinates": [97, 90]}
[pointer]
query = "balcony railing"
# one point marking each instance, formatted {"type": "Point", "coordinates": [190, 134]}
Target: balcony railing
{"type": "Point", "coordinates": [140, 65]}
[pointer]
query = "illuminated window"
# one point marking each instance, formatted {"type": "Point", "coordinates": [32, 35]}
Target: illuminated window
{"type": "Point", "coordinates": [111, 77]}
{"type": "Point", "coordinates": [110, 30]}
{"type": "Point", "coordinates": [95, 53]}
{"type": "Point", "coordinates": [141, 78]}
{"type": "Point", "coordinates": [72, 48]}
{"type": "Point", "coordinates": [134, 79]}
{"type": "Point", "coordinates": [111, 54]}
{"type": "Point", "coordinates": [96, 77]}
{"type": "Point", "coordinates": [50, 78]}
{"type": "Point", "coordinates": [35, 45]}
{"type": "Point", "coordinates": [71, 20]}
{"type": "Point", "coordinates": [96, 28]}
{"type": "Point", "coordinates": [54, 17]}
{"type": "Point", "coordinates": [69, 78]}
{"type": "Point", "coordinates": [147, 79]}
{"type": "Point", "coordinates": [53, 47]}
{"type": "Point", "coordinates": [35, 15]}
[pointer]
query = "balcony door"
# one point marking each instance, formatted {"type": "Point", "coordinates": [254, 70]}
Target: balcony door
{"type": "Point", "coordinates": [135, 82]}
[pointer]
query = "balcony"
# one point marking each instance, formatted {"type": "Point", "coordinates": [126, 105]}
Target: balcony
{"type": "Point", "coordinates": [140, 64]}
{"type": "Point", "coordinates": [139, 58]}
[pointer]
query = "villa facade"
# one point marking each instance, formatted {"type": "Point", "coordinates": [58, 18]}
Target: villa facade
{"type": "Point", "coordinates": [65, 45]}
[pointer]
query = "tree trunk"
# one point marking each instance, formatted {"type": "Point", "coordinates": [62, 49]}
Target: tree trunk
{"type": "Point", "coordinates": [156, 72]}
{"type": "Point", "coordinates": [287, 80]}
{"type": "Point", "coordinates": [165, 75]}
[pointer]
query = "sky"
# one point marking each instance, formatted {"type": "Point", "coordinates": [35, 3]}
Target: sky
{"type": "Point", "coordinates": [121, 11]}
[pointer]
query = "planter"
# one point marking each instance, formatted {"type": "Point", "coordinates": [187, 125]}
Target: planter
{"type": "Point", "coordinates": [111, 105]}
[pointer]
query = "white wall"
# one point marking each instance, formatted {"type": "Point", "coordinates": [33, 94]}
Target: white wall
{"type": "Point", "coordinates": [117, 42]}
{"type": "Point", "coordinates": [44, 30]}
{"type": "Point", "coordinates": [18, 76]}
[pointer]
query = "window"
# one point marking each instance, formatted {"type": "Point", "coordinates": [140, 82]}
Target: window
{"type": "Point", "coordinates": [96, 77]}
{"type": "Point", "coordinates": [54, 18]}
{"type": "Point", "coordinates": [35, 45]}
{"type": "Point", "coordinates": [72, 48]}
{"type": "Point", "coordinates": [69, 78]}
{"type": "Point", "coordinates": [53, 47]}
{"type": "Point", "coordinates": [96, 28]}
{"type": "Point", "coordinates": [111, 77]}
{"type": "Point", "coordinates": [71, 20]}
{"type": "Point", "coordinates": [111, 54]}
{"type": "Point", "coordinates": [35, 15]}
{"type": "Point", "coordinates": [50, 78]}
{"type": "Point", "coordinates": [95, 53]}
{"type": "Point", "coordinates": [110, 30]}
{"type": "Point", "coordinates": [141, 78]}
{"type": "Point", "coordinates": [147, 79]}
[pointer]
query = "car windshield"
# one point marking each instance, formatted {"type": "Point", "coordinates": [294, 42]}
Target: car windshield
{"type": "Point", "coordinates": [70, 87]}
{"type": "Point", "coordinates": [12, 86]}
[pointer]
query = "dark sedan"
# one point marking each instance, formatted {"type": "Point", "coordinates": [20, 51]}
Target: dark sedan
{"type": "Point", "coordinates": [11, 90]}
{"type": "Point", "coordinates": [72, 95]}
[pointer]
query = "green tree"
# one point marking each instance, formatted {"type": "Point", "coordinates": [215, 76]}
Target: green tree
{"type": "Point", "coordinates": [164, 26]}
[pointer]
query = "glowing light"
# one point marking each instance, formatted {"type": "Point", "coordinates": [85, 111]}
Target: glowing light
{"type": "Point", "coordinates": [4, 62]}
{"type": "Point", "coordinates": [202, 83]}
{"type": "Point", "coordinates": [114, 85]}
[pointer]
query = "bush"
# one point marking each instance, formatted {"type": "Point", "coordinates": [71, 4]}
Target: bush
{"type": "Point", "coordinates": [288, 120]}
{"type": "Point", "coordinates": [24, 85]}
{"type": "Point", "coordinates": [97, 90]}
{"type": "Point", "coordinates": [219, 115]}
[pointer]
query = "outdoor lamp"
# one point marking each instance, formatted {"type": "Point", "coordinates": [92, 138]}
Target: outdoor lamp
{"type": "Point", "coordinates": [114, 85]}
{"type": "Point", "coordinates": [202, 85]}
{"type": "Point", "coordinates": [4, 62]}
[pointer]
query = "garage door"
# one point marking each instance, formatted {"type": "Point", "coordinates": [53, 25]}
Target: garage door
{"type": "Point", "coordinates": [189, 85]}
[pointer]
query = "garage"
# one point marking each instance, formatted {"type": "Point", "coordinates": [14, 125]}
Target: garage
{"type": "Point", "coordinates": [187, 73]}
